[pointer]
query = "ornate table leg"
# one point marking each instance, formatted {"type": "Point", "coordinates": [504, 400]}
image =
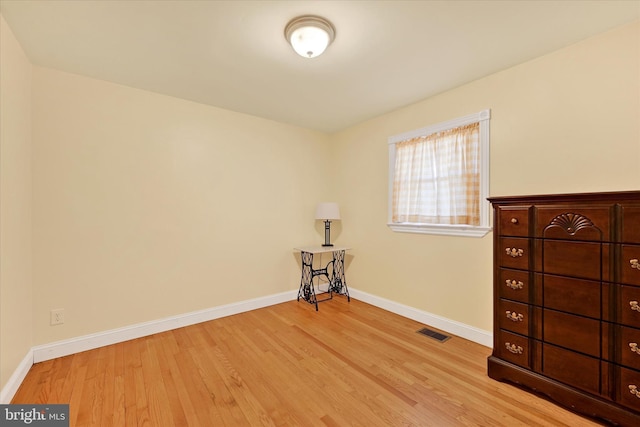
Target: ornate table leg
{"type": "Point", "coordinates": [306, 290]}
{"type": "Point", "coordinates": [338, 280]}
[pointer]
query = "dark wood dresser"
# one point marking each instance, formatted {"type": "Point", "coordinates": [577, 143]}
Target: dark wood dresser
{"type": "Point", "coordinates": [567, 300]}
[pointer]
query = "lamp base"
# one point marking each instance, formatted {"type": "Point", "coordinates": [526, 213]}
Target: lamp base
{"type": "Point", "coordinates": [327, 231]}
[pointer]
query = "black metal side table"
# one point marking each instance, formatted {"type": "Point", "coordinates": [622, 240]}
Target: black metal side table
{"type": "Point", "coordinates": [333, 271]}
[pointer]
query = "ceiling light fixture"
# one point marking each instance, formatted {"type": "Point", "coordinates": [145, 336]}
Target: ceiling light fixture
{"type": "Point", "coordinates": [309, 35]}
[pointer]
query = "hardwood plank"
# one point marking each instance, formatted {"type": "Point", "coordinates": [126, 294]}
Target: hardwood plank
{"type": "Point", "coordinates": [349, 364]}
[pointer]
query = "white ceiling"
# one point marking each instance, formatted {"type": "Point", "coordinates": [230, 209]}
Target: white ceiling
{"type": "Point", "coordinates": [232, 54]}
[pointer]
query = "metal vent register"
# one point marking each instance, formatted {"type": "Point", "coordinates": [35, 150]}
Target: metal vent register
{"type": "Point", "coordinates": [433, 334]}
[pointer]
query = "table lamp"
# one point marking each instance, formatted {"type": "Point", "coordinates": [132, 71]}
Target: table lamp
{"type": "Point", "coordinates": [327, 212]}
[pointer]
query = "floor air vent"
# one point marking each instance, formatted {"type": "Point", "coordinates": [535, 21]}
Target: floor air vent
{"type": "Point", "coordinates": [433, 334]}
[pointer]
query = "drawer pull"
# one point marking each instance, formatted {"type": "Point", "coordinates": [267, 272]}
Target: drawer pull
{"type": "Point", "coordinates": [633, 389]}
{"type": "Point", "coordinates": [514, 220]}
{"type": "Point", "coordinates": [634, 264]}
{"type": "Point", "coordinates": [634, 347]}
{"type": "Point", "coordinates": [514, 285]}
{"type": "Point", "coordinates": [634, 306]}
{"type": "Point", "coordinates": [512, 348]}
{"type": "Point", "coordinates": [514, 253]}
{"type": "Point", "coordinates": [514, 317]}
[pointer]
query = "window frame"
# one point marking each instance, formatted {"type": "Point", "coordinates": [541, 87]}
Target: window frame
{"type": "Point", "coordinates": [482, 117]}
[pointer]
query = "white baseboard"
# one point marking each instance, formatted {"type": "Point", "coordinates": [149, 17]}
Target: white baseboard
{"type": "Point", "coordinates": [113, 336]}
{"type": "Point", "coordinates": [451, 326]}
{"type": "Point", "coordinates": [11, 387]}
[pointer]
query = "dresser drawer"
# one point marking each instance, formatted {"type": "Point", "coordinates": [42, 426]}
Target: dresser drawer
{"type": "Point", "coordinates": [514, 285]}
{"type": "Point", "coordinates": [629, 343]}
{"type": "Point", "coordinates": [513, 348]}
{"type": "Point", "coordinates": [630, 224]}
{"type": "Point", "coordinates": [630, 269]}
{"type": "Point", "coordinates": [513, 221]}
{"type": "Point", "coordinates": [514, 253]}
{"type": "Point", "coordinates": [574, 223]}
{"type": "Point", "coordinates": [578, 296]}
{"type": "Point", "coordinates": [576, 333]}
{"type": "Point", "coordinates": [629, 389]}
{"type": "Point", "coordinates": [628, 306]}
{"type": "Point", "coordinates": [571, 368]}
{"type": "Point", "coordinates": [514, 316]}
{"type": "Point", "coordinates": [577, 259]}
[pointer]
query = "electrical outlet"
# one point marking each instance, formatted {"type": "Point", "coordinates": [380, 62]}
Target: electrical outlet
{"type": "Point", "coordinates": [57, 316]}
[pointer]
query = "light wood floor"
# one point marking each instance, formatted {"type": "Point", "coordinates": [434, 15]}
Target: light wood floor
{"type": "Point", "coordinates": [350, 364]}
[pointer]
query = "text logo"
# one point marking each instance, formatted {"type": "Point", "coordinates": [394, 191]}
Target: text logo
{"type": "Point", "coordinates": [34, 415]}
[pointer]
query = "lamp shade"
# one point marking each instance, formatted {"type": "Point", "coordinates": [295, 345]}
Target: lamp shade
{"type": "Point", "coordinates": [327, 211]}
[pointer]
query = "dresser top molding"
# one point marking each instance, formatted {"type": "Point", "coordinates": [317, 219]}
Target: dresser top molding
{"type": "Point", "coordinates": [612, 196]}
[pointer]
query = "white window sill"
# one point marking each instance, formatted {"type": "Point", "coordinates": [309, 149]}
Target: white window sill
{"type": "Point", "coordinates": [441, 229]}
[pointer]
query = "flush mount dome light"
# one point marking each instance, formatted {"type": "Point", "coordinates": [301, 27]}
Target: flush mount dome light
{"type": "Point", "coordinates": [309, 35]}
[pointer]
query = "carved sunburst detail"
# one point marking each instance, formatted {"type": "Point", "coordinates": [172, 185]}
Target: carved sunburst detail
{"type": "Point", "coordinates": [571, 222]}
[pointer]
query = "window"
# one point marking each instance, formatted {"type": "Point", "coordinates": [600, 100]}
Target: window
{"type": "Point", "coordinates": [439, 178]}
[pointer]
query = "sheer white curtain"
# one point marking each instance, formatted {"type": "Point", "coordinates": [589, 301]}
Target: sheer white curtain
{"type": "Point", "coordinates": [437, 178]}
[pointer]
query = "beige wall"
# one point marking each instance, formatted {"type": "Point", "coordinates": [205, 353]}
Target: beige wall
{"type": "Point", "coordinates": [15, 204]}
{"type": "Point", "coordinates": [147, 206]}
{"type": "Point", "coordinates": [565, 122]}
